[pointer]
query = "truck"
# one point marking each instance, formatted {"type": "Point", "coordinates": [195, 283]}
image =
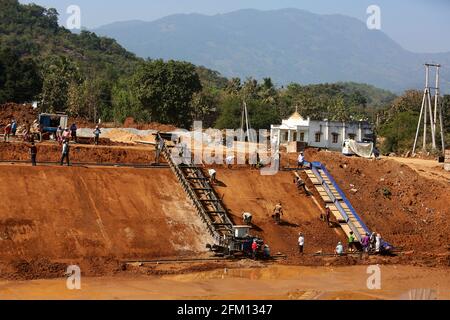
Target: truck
{"type": "Point", "coordinates": [49, 123]}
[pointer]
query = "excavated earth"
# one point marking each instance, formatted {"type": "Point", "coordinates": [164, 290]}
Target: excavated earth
{"type": "Point", "coordinates": [51, 217]}
{"type": "Point", "coordinates": [51, 152]}
{"type": "Point", "coordinates": [97, 217]}
{"type": "Point", "coordinates": [407, 209]}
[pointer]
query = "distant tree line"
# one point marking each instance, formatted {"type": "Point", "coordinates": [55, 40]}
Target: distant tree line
{"type": "Point", "coordinates": [94, 77]}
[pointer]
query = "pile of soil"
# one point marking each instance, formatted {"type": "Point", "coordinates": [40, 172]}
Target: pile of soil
{"type": "Point", "coordinates": [20, 112]}
{"type": "Point", "coordinates": [25, 112]}
{"type": "Point", "coordinates": [130, 123]}
{"type": "Point", "coordinates": [126, 137]}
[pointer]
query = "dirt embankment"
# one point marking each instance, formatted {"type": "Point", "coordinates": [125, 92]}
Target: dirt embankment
{"type": "Point", "coordinates": [247, 190]}
{"type": "Point", "coordinates": [51, 152]}
{"type": "Point", "coordinates": [51, 217]}
{"type": "Point", "coordinates": [407, 209]}
{"type": "Point", "coordinates": [22, 113]}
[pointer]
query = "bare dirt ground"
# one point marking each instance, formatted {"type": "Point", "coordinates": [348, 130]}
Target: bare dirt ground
{"type": "Point", "coordinates": [100, 216]}
{"type": "Point", "coordinates": [52, 216]}
{"type": "Point", "coordinates": [409, 210]}
{"type": "Point", "coordinates": [270, 283]}
{"type": "Point", "coordinates": [51, 151]}
{"type": "Point", "coordinates": [247, 190]}
{"type": "Point", "coordinates": [429, 169]}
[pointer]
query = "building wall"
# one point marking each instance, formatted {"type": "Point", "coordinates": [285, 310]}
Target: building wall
{"type": "Point", "coordinates": [327, 129]}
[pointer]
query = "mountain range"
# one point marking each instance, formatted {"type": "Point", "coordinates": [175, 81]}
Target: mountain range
{"type": "Point", "coordinates": [288, 45]}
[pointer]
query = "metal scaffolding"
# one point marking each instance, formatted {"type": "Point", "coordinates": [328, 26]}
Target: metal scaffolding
{"type": "Point", "coordinates": [427, 111]}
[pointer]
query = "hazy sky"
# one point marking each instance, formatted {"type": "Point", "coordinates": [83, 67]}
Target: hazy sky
{"type": "Point", "coordinates": [417, 25]}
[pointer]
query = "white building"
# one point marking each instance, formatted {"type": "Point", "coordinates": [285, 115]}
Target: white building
{"type": "Point", "coordinates": [320, 134]}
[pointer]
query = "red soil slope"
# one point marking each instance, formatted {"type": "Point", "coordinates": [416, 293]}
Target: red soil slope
{"type": "Point", "coordinates": [73, 213]}
{"type": "Point", "coordinates": [415, 216]}
{"type": "Point", "coordinates": [244, 189]}
{"type": "Point", "coordinates": [80, 153]}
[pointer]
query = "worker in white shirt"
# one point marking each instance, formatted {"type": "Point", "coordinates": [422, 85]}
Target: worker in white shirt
{"type": "Point", "coordinates": [301, 243]}
{"type": "Point", "coordinates": [229, 161]}
{"type": "Point", "coordinates": [378, 243]}
{"type": "Point", "coordinates": [213, 175]}
{"type": "Point", "coordinates": [247, 217]}
{"type": "Point", "coordinates": [301, 160]}
{"type": "Point", "coordinates": [339, 249]}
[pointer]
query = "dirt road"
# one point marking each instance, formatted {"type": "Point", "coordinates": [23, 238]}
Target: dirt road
{"type": "Point", "coordinates": [429, 169]}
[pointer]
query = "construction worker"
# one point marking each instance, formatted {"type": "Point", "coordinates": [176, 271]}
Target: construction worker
{"type": "Point", "coordinates": [266, 251]}
{"type": "Point", "coordinates": [33, 153]}
{"type": "Point", "coordinates": [301, 160]}
{"type": "Point", "coordinates": [65, 152]}
{"type": "Point", "coordinates": [301, 243]}
{"type": "Point", "coordinates": [339, 249]}
{"type": "Point", "coordinates": [372, 241]}
{"type": "Point", "coordinates": [73, 132]}
{"type": "Point", "coordinates": [301, 185]}
{"type": "Point", "coordinates": [366, 242]}
{"type": "Point", "coordinates": [254, 249]}
{"type": "Point", "coordinates": [7, 132]}
{"type": "Point", "coordinates": [212, 175]}
{"type": "Point", "coordinates": [278, 212]}
{"type": "Point", "coordinates": [378, 243]}
{"type": "Point", "coordinates": [13, 128]}
{"type": "Point", "coordinates": [66, 134]}
{"type": "Point", "coordinates": [255, 160]}
{"type": "Point", "coordinates": [97, 134]}
{"type": "Point", "coordinates": [351, 242]}
{"type": "Point", "coordinates": [247, 217]}
{"type": "Point", "coordinates": [327, 214]}
{"type": "Point", "coordinates": [27, 131]}
{"type": "Point", "coordinates": [59, 132]}
{"type": "Point", "coordinates": [229, 161]}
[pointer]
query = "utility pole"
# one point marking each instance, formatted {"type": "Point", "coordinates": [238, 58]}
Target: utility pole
{"type": "Point", "coordinates": [245, 123]}
{"type": "Point", "coordinates": [427, 111]}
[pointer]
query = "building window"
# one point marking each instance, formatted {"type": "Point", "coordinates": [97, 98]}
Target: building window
{"type": "Point", "coordinates": [352, 136]}
{"type": "Point", "coordinates": [335, 137]}
{"type": "Point", "coordinates": [318, 136]}
{"type": "Point", "coordinates": [302, 136]}
{"type": "Point", "coordinates": [295, 136]}
{"type": "Point", "coordinates": [286, 136]}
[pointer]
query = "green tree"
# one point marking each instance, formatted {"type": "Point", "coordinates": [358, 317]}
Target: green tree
{"type": "Point", "coordinates": [205, 105]}
{"type": "Point", "coordinates": [233, 86]}
{"type": "Point", "coordinates": [125, 103]}
{"type": "Point", "coordinates": [59, 74]}
{"type": "Point", "coordinates": [20, 80]}
{"type": "Point", "coordinates": [268, 92]}
{"type": "Point", "coordinates": [166, 89]}
{"type": "Point", "coordinates": [230, 112]}
{"type": "Point", "coordinates": [398, 134]}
